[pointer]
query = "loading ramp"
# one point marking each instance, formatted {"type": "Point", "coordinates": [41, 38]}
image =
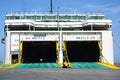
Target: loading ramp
{"type": "Point", "coordinates": [72, 64]}
{"type": "Point", "coordinates": [38, 54]}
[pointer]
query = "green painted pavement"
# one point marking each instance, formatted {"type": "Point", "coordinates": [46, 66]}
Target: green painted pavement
{"type": "Point", "coordinates": [88, 65]}
{"type": "Point", "coordinates": [5, 65]}
{"type": "Point", "coordinates": [38, 65]}
{"type": "Point", "coordinates": [80, 65]}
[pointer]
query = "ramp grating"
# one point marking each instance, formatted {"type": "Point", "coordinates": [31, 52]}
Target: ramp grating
{"type": "Point", "coordinates": [38, 65]}
{"type": "Point", "coordinates": [88, 65]}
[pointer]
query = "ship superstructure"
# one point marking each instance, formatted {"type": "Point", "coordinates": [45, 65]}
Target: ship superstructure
{"type": "Point", "coordinates": [32, 37]}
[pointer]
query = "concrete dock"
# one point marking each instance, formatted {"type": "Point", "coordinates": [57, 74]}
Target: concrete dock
{"type": "Point", "coordinates": [59, 74]}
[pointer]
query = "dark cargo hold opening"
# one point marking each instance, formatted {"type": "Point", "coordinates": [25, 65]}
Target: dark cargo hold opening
{"type": "Point", "coordinates": [38, 51]}
{"type": "Point", "coordinates": [83, 51]}
{"type": "Point", "coordinates": [14, 58]}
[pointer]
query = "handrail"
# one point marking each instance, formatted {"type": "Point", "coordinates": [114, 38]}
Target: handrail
{"type": "Point", "coordinates": [65, 55]}
{"type": "Point", "coordinates": [21, 46]}
{"type": "Point", "coordinates": [101, 54]}
{"type": "Point", "coordinates": [57, 49]}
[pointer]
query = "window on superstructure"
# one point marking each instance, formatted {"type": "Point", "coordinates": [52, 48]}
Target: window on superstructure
{"type": "Point", "coordinates": [93, 17]}
{"type": "Point", "coordinates": [22, 17]}
{"type": "Point", "coordinates": [10, 17]}
{"type": "Point", "coordinates": [34, 17]}
{"type": "Point", "coordinates": [28, 17]}
{"type": "Point", "coordinates": [51, 17]}
{"type": "Point", "coordinates": [38, 17]}
{"type": "Point", "coordinates": [17, 17]}
{"type": "Point", "coordinates": [74, 17]}
{"type": "Point", "coordinates": [43, 17]}
{"type": "Point", "coordinates": [81, 17]}
{"type": "Point", "coordinates": [69, 17]}
{"type": "Point", "coordinates": [78, 17]}
{"type": "Point", "coordinates": [61, 17]}
{"type": "Point", "coordinates": [46, 17]}
{"type": "Point", "coordinates": [100, 17]}
{"type": "Point", "coordinates": [65, 17]}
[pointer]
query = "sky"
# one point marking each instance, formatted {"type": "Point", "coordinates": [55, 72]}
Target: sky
{"type": "Point", "coordinates": [110, 8]}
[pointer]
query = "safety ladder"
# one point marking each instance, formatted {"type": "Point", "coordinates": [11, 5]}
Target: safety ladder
{"type": "Point", "coordinates": [65, 55]}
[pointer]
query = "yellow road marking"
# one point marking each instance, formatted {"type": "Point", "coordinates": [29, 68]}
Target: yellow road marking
{"type": "Point", "coordinates": [13, 66]}
{"type": "Point", "coordinates": [109, 65]}
{"type": "Point", "coordinates": [4, 66]}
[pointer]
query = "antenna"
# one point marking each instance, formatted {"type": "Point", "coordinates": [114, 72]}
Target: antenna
{"type": "Point", "coordinates": [51, 10]}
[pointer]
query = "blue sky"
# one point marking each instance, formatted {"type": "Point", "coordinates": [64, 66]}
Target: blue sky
{"type": "Point", "coordinates": [111, 9]}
